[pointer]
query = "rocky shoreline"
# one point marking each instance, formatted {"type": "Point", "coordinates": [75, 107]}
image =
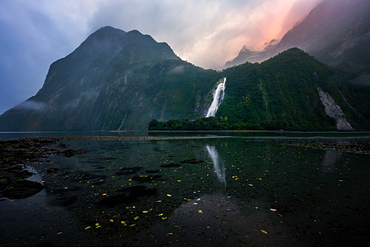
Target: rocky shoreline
{"type": "Point", "coordinates": [16, 155]}
{"type": "Point", "coordinates": [348, 147]}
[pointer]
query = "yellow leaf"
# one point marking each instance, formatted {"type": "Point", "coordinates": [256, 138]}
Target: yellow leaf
{"type": "Point", "coordinates": [88, 227]}
{"type": "Point", "coordinates": [265, 232]}
{"type": "Point", "coordinates": [169, 195]}
{"type": "Point", "coordinates": [200, 211]}
{"type": "Point", "coordinates": [111, 220]}
{"type": "Point", "coordinates": [136, 217]}
{"type": "Point", "coordinates": [273, 209]}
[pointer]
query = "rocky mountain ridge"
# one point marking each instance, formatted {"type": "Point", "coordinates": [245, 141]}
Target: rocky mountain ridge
{"type": "Point", "coordinates": [118, 80]}
{"type": "Point", "coordinates": [335, 32]}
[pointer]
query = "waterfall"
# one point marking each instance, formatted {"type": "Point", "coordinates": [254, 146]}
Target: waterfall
{"type": "Point", "coordinates": [218, 97]}
{"type": "Point", "coordinates": [218, 165]}
{"type": "Point", "coordinates": [334, 111]}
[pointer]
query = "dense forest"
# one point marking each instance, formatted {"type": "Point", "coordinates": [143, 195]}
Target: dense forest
{"type": "Point", "coordinates": [127, 81]}
{"type": "Point", "coordinates": [282, 93]}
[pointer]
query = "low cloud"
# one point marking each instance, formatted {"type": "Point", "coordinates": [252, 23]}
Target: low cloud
{"type": "Point", "coordinates": [177, 70]}
{"type": "Point", "coordinates": [363, 79]}
{"type": "Point", "coordinates": [205, 33]}
{"type": "Point", "coordinates": [32, 105]}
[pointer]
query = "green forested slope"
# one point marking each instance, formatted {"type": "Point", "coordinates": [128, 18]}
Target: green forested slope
{"type": "Point", "coordinates": [121, 81]}
{"type": "Point", "coordinates": [281, 93]}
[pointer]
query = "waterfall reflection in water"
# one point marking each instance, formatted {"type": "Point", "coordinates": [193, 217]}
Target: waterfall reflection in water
{"type": "Point", "coordinates": [218, 165]}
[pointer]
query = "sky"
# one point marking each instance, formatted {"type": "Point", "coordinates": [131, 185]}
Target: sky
{"type": "Point", "coordinates": [35, 33]}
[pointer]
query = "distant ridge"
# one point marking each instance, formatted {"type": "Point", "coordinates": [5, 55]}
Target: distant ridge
{"type": "Point", "coordinates": [335, 32]}
{"type": "Point", "coordinates": [117, 80]}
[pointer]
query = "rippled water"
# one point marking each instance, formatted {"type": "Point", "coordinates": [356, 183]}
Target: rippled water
{"type": "Point", "coordinates": [248, 189]}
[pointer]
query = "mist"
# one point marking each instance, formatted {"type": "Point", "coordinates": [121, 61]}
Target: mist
{"type": "Point", "coordinates": [207, 34]}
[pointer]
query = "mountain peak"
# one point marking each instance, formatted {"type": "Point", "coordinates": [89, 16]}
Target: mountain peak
{"type": "Point", "coordinates": [335, 32]}
{"type": "Point", "coordinates": [107, 32]}
{"type": "Point", "coordinates": [109, 42]}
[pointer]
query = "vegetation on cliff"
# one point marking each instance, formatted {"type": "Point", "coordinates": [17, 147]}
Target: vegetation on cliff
{"type": "Point", "coordinates": [282, 93]}
{"type": "Point", "coordinates": [121, 81]}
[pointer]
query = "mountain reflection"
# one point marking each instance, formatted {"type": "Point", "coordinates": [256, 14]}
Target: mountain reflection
{"type": "Point", "coordinates": [218, 165]}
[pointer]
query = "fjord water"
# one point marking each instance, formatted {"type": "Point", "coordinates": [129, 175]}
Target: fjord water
{"type": "Point", "coordinates": [224, 188]}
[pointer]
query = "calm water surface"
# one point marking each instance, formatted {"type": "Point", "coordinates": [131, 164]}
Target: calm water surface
{"type": "Point", "coordinates": [244, 189]}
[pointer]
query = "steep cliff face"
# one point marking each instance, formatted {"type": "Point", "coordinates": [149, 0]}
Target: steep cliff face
{"type": "Point", "coordinates": [118, 81]}
{"type": "Point", "coordinates": [291, 91]}
{"type": "Point", "coordinates": [113, 80]}
{"type": "Point", "coordinates": [281, 93]}
{"type": "Point", "coordinates": [167, 90]}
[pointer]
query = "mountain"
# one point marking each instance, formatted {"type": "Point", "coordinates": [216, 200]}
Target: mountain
{"type": "Point", "coordinates": [113, 80]}
{"type": "Point", "coordinates": [118, 80]}
{"type": "Point", "coordinates": [335, 32]}
{"type": "Point", "coordinates": [291, 91]}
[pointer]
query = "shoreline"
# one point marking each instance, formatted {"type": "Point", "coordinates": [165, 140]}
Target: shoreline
{"type": "Point", "coordinates": [17, 154]}
{"type": "Point", "coordinates": [94, 225]}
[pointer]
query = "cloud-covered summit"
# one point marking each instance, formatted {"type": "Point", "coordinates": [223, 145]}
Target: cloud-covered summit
{"type": "Point", "coordinates": [205, 33]}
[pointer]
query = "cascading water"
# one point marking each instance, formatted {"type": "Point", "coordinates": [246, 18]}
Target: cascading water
{"type": "Point", "coordinates": [218, 165]}
{"type": "Point", "coordinates": [218, 97]}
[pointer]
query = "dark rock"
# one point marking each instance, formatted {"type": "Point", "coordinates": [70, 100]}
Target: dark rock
{"type": "Point", "coordinates": [52, 170]}
{"type": "Point", "coordinates": [4, 182]}
{"type": "Point", "coordinates": [171, 165]}
{"type": "Point", "coordinates": [62, 145]}
{"type": "Point", "coordinates": [70, 152]}
{"type": "Point", "coordinates": [152, 171]}
{"type": "Point", "coordinates": [81, 176]}
{"type": "Point", "coordinates": [192, 161]}
{"type": "Point", "coordinates": [146, 178]}
{"type": "Point", "coordinates": [69, 201]}
{"type": "Point", "coordinates": [129, 195]}
{"type": "Point", "coordinates": [22, 189]}
{"type": "Point", "coordinates": [128, 170]}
